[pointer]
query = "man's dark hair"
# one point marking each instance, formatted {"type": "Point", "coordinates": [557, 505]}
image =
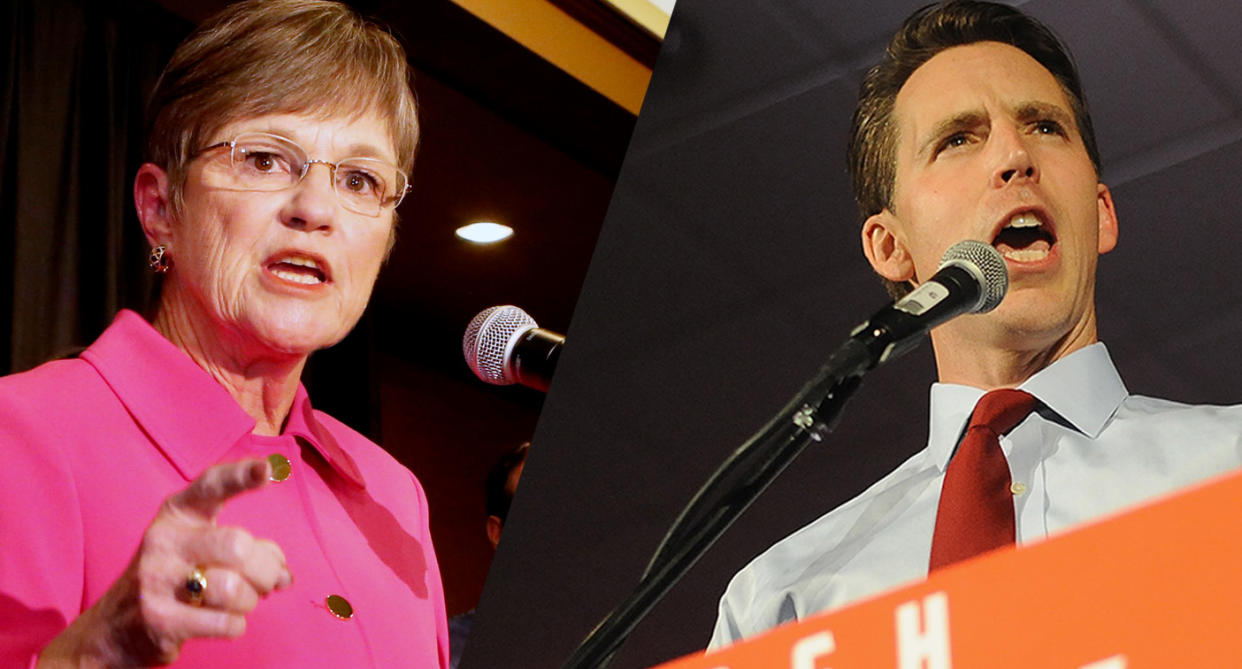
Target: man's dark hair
{"type": "Point", "coordinates": [499, 497]}
{"type": "Point", "coordinates": [930, 30]}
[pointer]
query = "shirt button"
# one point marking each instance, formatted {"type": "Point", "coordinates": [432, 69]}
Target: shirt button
{"type": "Point", "coordinates": [281, 469]}
{"type": "Point", "coordinates": [1017, 488]}
{"type": "Point", "coordinates": [339, 606]}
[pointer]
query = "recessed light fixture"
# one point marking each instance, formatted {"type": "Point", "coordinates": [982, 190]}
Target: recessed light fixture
{"type": "Point", "coordinates": [484, 232]}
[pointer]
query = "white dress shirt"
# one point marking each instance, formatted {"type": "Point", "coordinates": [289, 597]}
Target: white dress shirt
{"type": "Point", "coordinates": [1089, 449]}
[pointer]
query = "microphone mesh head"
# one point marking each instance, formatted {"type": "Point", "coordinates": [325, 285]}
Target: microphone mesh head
{"type": "Point", "coordinates": [489, 338]}
{"type": "Point", "coordinates": [987, 266]}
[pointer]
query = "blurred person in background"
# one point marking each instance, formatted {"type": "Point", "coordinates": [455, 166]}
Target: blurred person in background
{"type": "Point", "coordinates": [501, 485]}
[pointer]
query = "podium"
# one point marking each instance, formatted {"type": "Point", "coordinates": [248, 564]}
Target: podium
{"type": "Point", "coordinates": [1158, 586]}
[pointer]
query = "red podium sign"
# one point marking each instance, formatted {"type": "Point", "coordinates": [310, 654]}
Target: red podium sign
{"type": "Point", "coordinates": [1160, 586]}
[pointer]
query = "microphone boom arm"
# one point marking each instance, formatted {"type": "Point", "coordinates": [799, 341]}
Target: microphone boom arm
{"type": "Point", "coordinates": [730, 490]}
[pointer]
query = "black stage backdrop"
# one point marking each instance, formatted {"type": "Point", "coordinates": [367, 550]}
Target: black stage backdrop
{"type": "Point", "coordinates": [74, 78]}
{"type": "Point", "coordinates": [729, 266]}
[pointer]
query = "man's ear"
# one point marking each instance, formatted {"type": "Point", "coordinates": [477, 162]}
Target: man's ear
{"type": "Point", "coordinates": [1107, 219]}
{"type": "Point", "coordinates": [151, 201]}
{"type": "Point", "coordinates": [494, 525]}
{"type": "Point", "coordinates": [885, 249]}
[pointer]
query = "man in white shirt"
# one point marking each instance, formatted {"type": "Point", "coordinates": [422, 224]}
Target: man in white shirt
{"type": "Point", "coordinates": [974, 127]}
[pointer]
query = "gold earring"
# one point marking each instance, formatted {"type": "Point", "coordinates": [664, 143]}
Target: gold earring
{"type": "Point", "coordinates": [158, 261]}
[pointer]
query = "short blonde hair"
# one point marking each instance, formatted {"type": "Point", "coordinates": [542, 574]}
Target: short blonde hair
{"type": "Point", "coordinates": [277, 56]}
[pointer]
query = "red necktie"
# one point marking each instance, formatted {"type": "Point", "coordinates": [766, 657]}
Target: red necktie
{"type": "Point", "coordinates": [976, 503]}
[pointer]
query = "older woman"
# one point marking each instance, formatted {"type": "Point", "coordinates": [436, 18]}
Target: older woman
{"type": "Point", "coordinates": [282, 133]}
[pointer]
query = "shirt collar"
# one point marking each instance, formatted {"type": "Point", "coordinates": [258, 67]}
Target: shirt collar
{"type": "Point", "coordinates": [303, 423]}
{"type": "Point", "coordinates": [1083, 388]}
{"type": "Point", "coordinates": [190, 417]}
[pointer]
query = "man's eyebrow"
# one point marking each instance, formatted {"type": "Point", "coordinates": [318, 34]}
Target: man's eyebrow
{"type": "Point", "coordinates": [1035, 111]}
{"type": "Point", "coordinates": [1024, 112]}
{"type": "Point", "coordinates": [948, 126]}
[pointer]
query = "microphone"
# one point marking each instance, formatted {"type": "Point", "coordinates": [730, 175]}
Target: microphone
{"type": "Point", "coordinates": [972, 279]}
{"type": "Point", "coordinates": [503, 345]}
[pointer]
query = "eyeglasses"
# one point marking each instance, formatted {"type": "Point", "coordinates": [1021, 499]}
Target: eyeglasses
{"type": "Point", "coordinates": [259, 161]}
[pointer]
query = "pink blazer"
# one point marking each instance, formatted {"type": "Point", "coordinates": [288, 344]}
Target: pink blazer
{"type": "Point", "coordinates": [90, 448]}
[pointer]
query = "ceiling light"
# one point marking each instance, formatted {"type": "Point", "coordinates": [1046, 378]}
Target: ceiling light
{"type": "Point", "coordinates": [484, 232]}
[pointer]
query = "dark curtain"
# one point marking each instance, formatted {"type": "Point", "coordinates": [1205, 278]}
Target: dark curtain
{"type": "Point", "coordinates": [76, 75]}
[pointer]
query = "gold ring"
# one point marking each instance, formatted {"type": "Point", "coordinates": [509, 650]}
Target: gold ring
{"type": "Point", "coordinates": [196, 586]}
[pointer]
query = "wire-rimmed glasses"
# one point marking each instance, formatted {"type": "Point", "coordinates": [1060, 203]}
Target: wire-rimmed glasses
{"type": "Point", "coordinates": [260, 161]}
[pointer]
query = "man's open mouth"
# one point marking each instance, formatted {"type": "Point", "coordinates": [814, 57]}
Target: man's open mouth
{"type": "Point", "coordinates": [1025, 238]}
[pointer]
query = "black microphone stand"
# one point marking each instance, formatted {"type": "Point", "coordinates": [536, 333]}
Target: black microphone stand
{"type": "Point", "coordinates": [957, 287]}
{"type": "Point", "coordinates": [813, 412]}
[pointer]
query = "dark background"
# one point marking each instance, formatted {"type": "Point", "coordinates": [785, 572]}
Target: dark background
{"type": "Point", "coordinates": [505, 135]}
{"type": "Point", "coordinates": [730, 265]}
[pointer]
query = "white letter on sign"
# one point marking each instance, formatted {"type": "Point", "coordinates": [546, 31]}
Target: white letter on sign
{"type": "Point", "coordinates": [926, 642]}
{"type": "Point", "coordinates": [807, 650]}
{"type": "Point", "coordinates": [1114, 662]}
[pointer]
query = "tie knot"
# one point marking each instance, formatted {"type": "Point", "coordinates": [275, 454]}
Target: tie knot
{"type": "Point", "coordinates": [1001, 410]}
